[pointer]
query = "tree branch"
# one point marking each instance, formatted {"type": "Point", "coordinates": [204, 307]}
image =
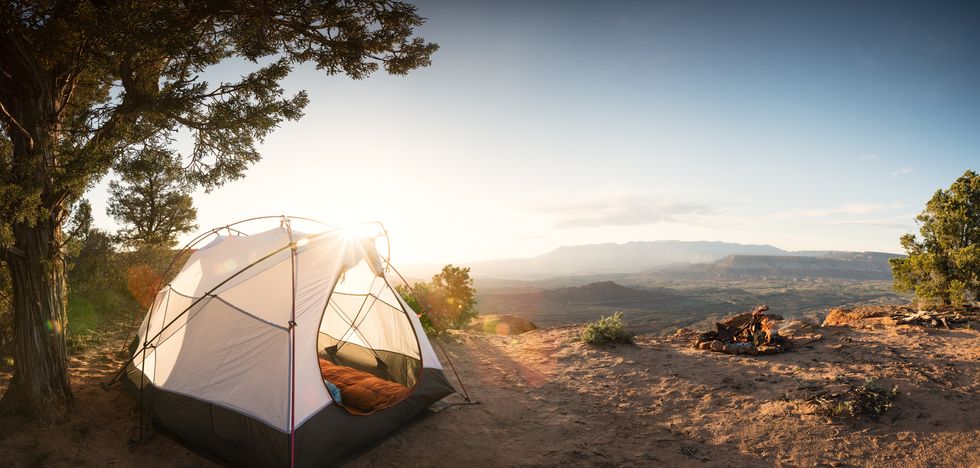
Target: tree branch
{"type": "Point", "coordinates": [14, 123]}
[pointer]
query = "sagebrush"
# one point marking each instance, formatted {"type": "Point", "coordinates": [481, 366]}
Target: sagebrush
{"type": "Point", "coordinates": [607, 330]}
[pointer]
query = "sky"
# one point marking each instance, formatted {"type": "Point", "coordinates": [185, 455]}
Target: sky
{"type": "Point", "coordinates": [820, 126]}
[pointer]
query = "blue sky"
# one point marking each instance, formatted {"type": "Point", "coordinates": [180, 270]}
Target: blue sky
{"type": "Point", "coordinates": [541, 124]}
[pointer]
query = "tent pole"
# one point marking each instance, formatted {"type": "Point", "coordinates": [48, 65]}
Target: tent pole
{"type": "Point", "coordinates": [466, 395]}
{"type": "Point", "coordinates": [292, 346]}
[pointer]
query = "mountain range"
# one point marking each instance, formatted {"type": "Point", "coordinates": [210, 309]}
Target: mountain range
{"type": "Point", "coordinates": [630, 257]}
{"type": "Point", "coordinates": [690, 260]}
{"type": "Point", "coordinates": [839, 265]}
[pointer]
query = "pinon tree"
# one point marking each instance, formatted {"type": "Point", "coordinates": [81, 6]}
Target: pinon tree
{"type": "Point", "coordinates": [944, 266]}
{"type": "Point", "coordinates": [82, 81]}
{"type": "Point", "coordinates": [448, 301]}
{"type": "Point", "coordinates": [153, 199]}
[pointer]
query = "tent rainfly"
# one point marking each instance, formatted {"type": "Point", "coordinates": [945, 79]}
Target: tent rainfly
{"type": "Point", "coordinates": [283, 348]}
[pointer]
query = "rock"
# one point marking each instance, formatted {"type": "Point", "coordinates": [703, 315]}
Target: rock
{"type": "Point", "coordinates": [864, 314]}
{"type": "Point", "coordinates": [738, 348]}
{"type": "Point", "coordinates": [744, 347]}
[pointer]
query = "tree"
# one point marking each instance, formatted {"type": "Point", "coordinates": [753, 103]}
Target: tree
{"type": "Point", "coordinates": [80, 82]}
{"type": "Point", "coordinates": [458, 295]}
{"type": "Point", "coordinates": [153, 200]}
{"type": "Point", "coordinates": [944, 266]}
{"type": "Point", "coordinates": [448, 301]}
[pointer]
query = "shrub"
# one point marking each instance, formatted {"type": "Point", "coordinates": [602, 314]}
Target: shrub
{"type": "Point", "coordinates": [607, 330]}
{"type": "Point", "coordinates": [868, 399]}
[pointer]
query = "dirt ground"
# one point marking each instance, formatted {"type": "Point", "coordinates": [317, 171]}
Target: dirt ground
{"type": "Point", "coordinates": [546, 399]}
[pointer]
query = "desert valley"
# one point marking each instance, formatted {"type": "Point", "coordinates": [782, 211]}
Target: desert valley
{"type": "Point", "coordinates": [662, 285]}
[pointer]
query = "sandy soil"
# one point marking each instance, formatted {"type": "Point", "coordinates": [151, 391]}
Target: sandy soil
{"type": "Point", "coordinates": [98, 432]}
{"type": "Point", "coordinates": [547, 400]}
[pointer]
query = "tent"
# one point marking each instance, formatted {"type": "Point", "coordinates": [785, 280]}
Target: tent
{"type": "Point", "coordinates": [283, 348]}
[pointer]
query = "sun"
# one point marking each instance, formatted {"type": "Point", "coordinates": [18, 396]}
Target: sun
{"type": "Point", "coordinates": [362, 230]}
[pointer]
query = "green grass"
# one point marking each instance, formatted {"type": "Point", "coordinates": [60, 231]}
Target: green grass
{"type": "Point", "coordinates": [83, 317]}
{"type": "Point", "coordinates": [92, 314]}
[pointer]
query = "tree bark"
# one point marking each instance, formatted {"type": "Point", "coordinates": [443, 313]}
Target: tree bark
{"type": "Point", "coordinates": [40, 385]}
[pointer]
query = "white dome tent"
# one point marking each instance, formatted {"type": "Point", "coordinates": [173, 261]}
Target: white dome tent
{"type": "Point", "coordinates": [286, 347]}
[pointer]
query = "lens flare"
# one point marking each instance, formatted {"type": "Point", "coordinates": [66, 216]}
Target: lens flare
{"type": "Point", "coordinates": [361, 231]}
{"type": "Point", "coordinates": [53, 326]}
{"type": "Point", "coordinates": [143, 282]}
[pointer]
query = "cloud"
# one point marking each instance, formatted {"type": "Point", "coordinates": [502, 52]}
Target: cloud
{"type": "Point", "coordinates": [872, 223]}
{"type": "Point", "coordinates": [902, 171]}
{"type": "Point", "coordinates": [868, 157]}
{"type": "Point", "coordinates": [852, 208]}
{"type": "Point", "coordinates": [624, 212]}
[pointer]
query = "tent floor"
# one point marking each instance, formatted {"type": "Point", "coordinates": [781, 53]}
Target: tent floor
{"type": "Point", "coordinates": [159, 429]}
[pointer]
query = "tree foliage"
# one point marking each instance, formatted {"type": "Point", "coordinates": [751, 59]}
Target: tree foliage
{"type": "Point", "coordinates": [448, 301]}
{"type": "Point", "coordinates": [82, 82]}
{"type": "Point", "coordinates": [152, 201]}
{"type": "Point", "coordinates": [944, 266]}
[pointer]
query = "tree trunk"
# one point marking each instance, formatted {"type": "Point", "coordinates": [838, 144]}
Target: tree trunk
{"type": "Point", "coordinates": [32, 94]}
{"type": "Point", "coordinates": [40, 385]}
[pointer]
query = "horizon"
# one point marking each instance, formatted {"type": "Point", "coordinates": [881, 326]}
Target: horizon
{"type": "Point", "coordinates": [806, 127]}
{"type": "Point", "coordinates": [466, 263]}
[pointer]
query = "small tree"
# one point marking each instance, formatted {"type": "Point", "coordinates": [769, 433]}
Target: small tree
{"type": "Point", "coordinates": [457, 295]}
{"type": "Point", "coordinates": [448, 301]}
{"type": "Point", "coordinates": [153, 198]}
{"type": "Point", "coordinates": [944, 266]}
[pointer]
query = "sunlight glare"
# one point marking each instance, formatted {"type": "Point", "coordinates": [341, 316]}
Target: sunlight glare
{"type": "Point", "coordinates": [362, 231]}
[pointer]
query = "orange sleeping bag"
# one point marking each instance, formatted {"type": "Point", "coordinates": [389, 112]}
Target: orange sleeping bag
{"type": "Point", "coordinates": [360, 390]}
